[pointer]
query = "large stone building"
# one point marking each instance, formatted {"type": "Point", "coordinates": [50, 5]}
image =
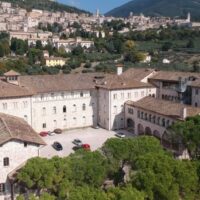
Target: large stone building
{"type": "Point", "coordinates": [18, 143]}
{"type": "Point", "coordinates": [70, 101]}
{"type": "Point", "coordinates": [143, 101]}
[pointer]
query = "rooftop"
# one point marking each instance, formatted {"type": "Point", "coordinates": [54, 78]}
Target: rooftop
{"type": "Point", "coordinates": [166, 108]}
{"type": "Point", "coordinates": [14, 128]}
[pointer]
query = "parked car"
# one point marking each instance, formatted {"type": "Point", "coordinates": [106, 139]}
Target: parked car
{"type": "Point", "coordinates": [50, 133]}
{"type": "Point", "coordinates": [57, 146]}
{"type": "Point", "coordinates": [96, 127]}
{"type": "Point", "coordinates": [57, 131]}
{"type": "Point", "coordinates": [120, 135]}
{"type": "Point", "coordinates": [86, 147]}
{"type": "Point", "coordinates": [77, 142]}
{"type": "Point", "coordinates": [43, 134]}
{"type": "Point", "coordinates": [83, 146]}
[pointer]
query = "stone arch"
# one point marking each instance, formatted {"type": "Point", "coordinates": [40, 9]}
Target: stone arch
{"type": "Point", "coordinates": [166, 141]}
{"type": "Point", "coordinates": [130, 125]}
{"type": "Point", "coordinates": [156, 134]}
{"type": "Point", "coordinates": [140, 129]}
{"type": "Point", "coordinates": [148, 131]}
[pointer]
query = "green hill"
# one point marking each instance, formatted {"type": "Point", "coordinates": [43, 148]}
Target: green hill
{"type": "Point", "coordinates": [171, 8]}
{"type": "Point", "coordinates": [44, 5]}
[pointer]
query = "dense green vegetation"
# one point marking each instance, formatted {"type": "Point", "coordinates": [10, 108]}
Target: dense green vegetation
{"type": "Point", "coordinates": [187, 134]}
{"type": "Point", "coordinates": [44, 5]}
{"type": "Point", "coordinates": [151, 173]}
{"type": "Point", "coordinates": [170, 8]}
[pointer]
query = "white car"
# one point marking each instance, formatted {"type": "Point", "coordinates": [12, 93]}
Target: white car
{"type": "Point", "coordinates": [120, 135]}
{"type": "Point", "coordinates": [50, 133]}
{"type": "Point", "coordinates": [77, 142]}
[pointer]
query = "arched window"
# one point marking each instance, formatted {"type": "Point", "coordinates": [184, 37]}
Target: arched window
{"type": "Point", "coordinates": [84, 120]}
{"type": "Point", "coordinates": [43, 111]}
{"type": "Point", "coordinates": [25, 117]}
{"type": "Point", "coordinates": [84, 107]}
{"type": "Point", "coordinates": [163, 122]}
{"type": "Point", "coordinates": [6, 161]}
{"type": "Point", "coordinates": [74, 108]}
{"type": "Point", "coordinates": [54, 110]}
{"type": "Point", "coordinates": [64, 109]}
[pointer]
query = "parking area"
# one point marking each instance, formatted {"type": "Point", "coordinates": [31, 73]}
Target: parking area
{"type": "Point", "coordinates": [94, 137]}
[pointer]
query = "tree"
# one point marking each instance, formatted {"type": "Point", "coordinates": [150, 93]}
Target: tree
{"type": "Point", "coordinates": [39, 44]}
{"type": "Point", "coordinates": [190, 44]}
{"type": "Point", "coordinates": [167, 46]}
{"type": "Point", "coordinates": [1, 51]}
{"type": "Point", "coordinates": [187, 134]}
{"type": "Point", "coordinates": [77, 51]}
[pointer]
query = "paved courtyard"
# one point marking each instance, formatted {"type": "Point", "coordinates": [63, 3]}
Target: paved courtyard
{"type": "Point", "coordinates": [94, 137]}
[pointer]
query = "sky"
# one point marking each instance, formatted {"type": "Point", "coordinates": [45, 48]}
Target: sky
{"type": "Point", "coordinates": [92, 5]}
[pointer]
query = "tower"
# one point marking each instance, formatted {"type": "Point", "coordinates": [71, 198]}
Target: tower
{"type": "Point", "coordinates": [97, 13]}
{"type": "Point", "coordinates": [188, 17]}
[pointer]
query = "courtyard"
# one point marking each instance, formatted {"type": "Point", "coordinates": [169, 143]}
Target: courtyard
{"type": "Point", "coordinates": [94, 137]}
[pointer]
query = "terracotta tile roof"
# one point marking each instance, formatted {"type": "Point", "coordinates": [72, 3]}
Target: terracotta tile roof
{"type": "Point", "coordinates": [137, 74]}
{"type": "Point", "coordinates": [165, 108]}
{"type": "Point", "coordinates": [113, 82]}
{"type": "Point", "coordinates": [195, 83]}
{"type": "Point", "coordinates": [11, 73]}
{"type": "Point", "coordinates": [173, 76]}
{"type": "Point", "coordinates": [11, 90]}
{"type": "Point", "coordinates": [60, 82]}
{"type": "Point", "coordinates": [14, 128]}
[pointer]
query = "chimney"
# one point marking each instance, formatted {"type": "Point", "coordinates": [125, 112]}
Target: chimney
{"type": "Point", "coordinates": [184, 113]}
{"type": "Point", "coordinates": [119, 69]}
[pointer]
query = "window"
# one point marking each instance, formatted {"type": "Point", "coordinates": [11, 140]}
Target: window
{"type": "Point", "coordinates": [84, 107]}
{"type": "Point", "coordinates": [145, 116]}
{"type": "Point", "coordinates": [25, 144]}
{"type": "Point", "coordinates": [5, 106]}
{"type": "Point", "coordinates": [122, 95]}
{"type": "Point", "coordinates": [81, 94]}
{"type": "Point", "coordinates": [129, 95]}
{"type": "Point", "coordinates": [44, 125]}
{"type": "Point", "coordinates": [84, 120]}
{"type": "Point", "coordinates": [25, 117]}
{"type": "Point", "coordinates": [163, 122]}
{"type": "Point", "coordinates": [6, 161]}
{"type": "Point", "coordinates": [142, 94]}
{"type": "Point", "coordinates": [158, 120]}
{"type": "Point", "coordinates": [62, 95]}
{"type": "Point", "coordinates": [115, 109]}
{"type": "Point", "coordinates": [25, 104]}
{"type": "Point", "coordinates": [74, 108]}
{"type": "Point", "coordinates": [130, 111]}
{"type": "Point", "coordinates": [154, 119]}
{"type": "Point", "coordinates": [2, 187]}
{"type": "Point", "coordinates": [15, 105]}
{"type": "Point", "coordinates": [64, 109]}
{"type": "Point", "coordinates": [195, 104]}
{"type": "Point", "coordinates": [52, 95]}
{"type": "Point", "coordinates": [43, 111]}
{"type": "Point", "coordinates": [54, 110]}
{"type": "Point", "coordinates": [196, 91]}
{"type": "Point", "coordinates": [136, 94]}
{"type": "Point", "coordinates": [114, 96]}
{"type": "Point", "coordinates": [74, 121]}
{"type": "Point", "coordinates": [138, 114]}
{"type": "Point", "coordinates": [42, 97]}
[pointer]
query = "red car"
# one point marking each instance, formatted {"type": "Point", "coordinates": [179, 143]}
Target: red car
{"type": "Point", "coordinates": [86, 147]}
{"type": "Point", "coordinates": [43, 134]}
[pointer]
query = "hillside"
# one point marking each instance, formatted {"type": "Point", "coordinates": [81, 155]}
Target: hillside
{"type": "Point", "coordinates": [171, 8]}
{"type": "Point", "coordinates": [44, 5]}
